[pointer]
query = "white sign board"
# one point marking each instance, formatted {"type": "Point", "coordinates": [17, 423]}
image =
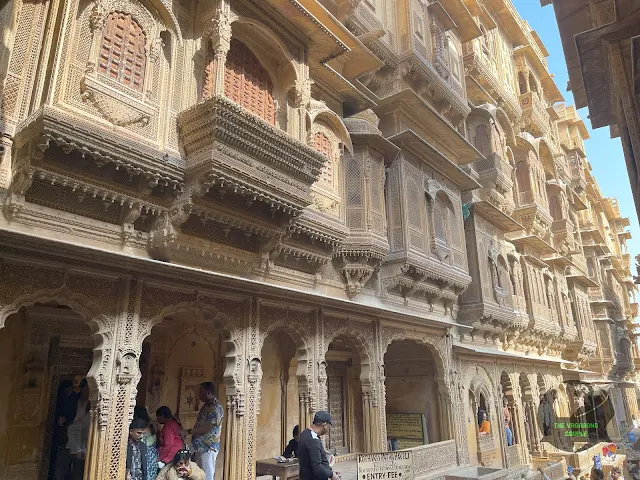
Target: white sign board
{"type": "Point", "coordinates": [378, 466]}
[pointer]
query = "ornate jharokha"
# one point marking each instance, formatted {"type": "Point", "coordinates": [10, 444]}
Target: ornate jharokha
{"type": "Point", "coordinates": [382, 210]}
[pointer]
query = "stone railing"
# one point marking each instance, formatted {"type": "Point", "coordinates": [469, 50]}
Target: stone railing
{"type": "Point", "coordinates": [514, 457]}
{"type": "Point", "coordinates": [433, 458]}
{"type": "Point", "coordinates": [581, 461]}
{"type": "Point", "coordinates": [534, 112]}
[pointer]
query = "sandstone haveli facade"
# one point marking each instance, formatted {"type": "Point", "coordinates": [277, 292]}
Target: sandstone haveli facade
{"type": "Point", "coordinates": [373, 207]}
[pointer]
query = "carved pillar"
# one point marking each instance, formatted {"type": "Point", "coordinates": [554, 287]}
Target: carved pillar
{"type": "Point", "coordinates": [234, 437]}
{"type": "Point", "coordinates": [369, 428]}
{"type": "Point", "coordinates": [303, 97]}
{"type": "Point", "coordinates": [382, 410]}
{"type": "Point", "coordinates": [534, 427]}
{"type": "Point", "coordinates": [446, 432]}
{"type": "Point", "coordinates": [124, 380]}
{"type": "Point", "coordinates": [97, 21]}
{"type": "Point", "coordinates": [460, 422]}
{"type": "Point", "coordinates": [91, 462]}
{"type": "Point", "coordinates": [219, 35]}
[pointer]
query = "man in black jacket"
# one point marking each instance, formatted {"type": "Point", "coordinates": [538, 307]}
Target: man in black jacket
{"type": "Point", "coordinates": [313, 461]}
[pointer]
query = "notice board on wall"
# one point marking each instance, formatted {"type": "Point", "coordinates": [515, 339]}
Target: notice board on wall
{"type": "Point", "coordinates": [375, 466]}
{"type": "Point", "coordinates": [405, 430]}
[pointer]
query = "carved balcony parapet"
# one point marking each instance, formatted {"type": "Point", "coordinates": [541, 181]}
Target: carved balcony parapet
{"type": "Point", "coordinates": [235, 148]}
{"type": "Point", "coordinates": [297, 254]}
{"type": "Point", "coordinates": [479, 69]}
{"type": "Point", "coordinates": [145, 166]}
{"type": "Point", "coordinates": [428, 81]}
{"type": "Point", "coordinates": [534, 114]}
{"type": "Point", "coordinates": [494, 174]}
{"type": "Point", "coordinates": [536, 221]}
{"type": "Point", "coordinates": [321, 229]}
{"type": "Point", "coordinates": [358, 18]}
{"type": "Point", "coordinates": [81, 189]}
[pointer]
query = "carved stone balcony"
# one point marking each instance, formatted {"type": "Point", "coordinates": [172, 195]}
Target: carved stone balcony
{"type": "Point", "coordinates": [89, 173]}
{"type": "Point", "coordinates": [536, 220]}
{"type": "Point", "coordinates": [482, 78]}
{"type": "Point", "coordinates": [534, 114]}
{"type": "Point", "coordinates": [494, 174]}
{"type": "Point", "coordinates": [235, 150]}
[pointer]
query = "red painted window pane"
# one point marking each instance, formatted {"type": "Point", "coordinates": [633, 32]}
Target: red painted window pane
{"type": "Point", "coordinates": [122, 52]}
{"type": "Point", "coordinates": [247, 83]}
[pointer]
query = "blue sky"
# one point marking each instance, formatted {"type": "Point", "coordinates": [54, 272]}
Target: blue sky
{"type": "Point", "coordinates": [604, 153]}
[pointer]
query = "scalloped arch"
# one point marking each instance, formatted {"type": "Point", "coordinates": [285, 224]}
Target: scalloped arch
{"type": "Point", "coordinates": [333, 119]}
{"type": "Point", "coordinates": [360, 343]}
{"type": "Point", "coordinates": [164, 8]}
{"type": "Point", "coordinates": [499, 116]}
{"type": "Point", "coordinates": [91, 316]}
{"type": "Point", "coordinates": [220, 321]}
{"type": "Point", "coordinates": [526, 141]}
{"type": "Point", "coordinates": [434, 349]}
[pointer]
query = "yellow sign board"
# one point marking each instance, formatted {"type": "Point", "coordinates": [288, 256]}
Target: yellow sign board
{"type": "Point", "coordinates": [408, 426]}
{"type": "Point", "coordinates": [403, 443]}
{"type": "Point", "coordinates": [387, 465]}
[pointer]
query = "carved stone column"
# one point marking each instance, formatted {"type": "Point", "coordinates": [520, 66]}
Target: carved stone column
{"type": "Point", "coordinates": [535, 429]}
{"type": "Point", "coordinates": [219, 34]}
{"type": "Point", "coordinates": [446, 432]}
{"type": "Point", "coordinates": [369, 428]}
{"type": "Point", "coordinates": [234, 436]}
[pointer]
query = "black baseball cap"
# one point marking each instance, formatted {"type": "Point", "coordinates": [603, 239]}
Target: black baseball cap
{"type": "Point", "coordinates": [322, 417]}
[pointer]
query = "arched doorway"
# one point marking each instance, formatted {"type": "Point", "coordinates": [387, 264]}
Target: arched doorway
{"type": "Point", "coordinates": [187, 347]}
{"type": "Point", "coordinates": [345, 399]}
{"type": "Point", "coordinates": [47, 405]}
{"type": "Point", "coordinates": [484, 429]}
{"type": "Point", "coordinates": [513, 421]}
{"type": "Point", "coordinates": [279, 407]}
{"type": "Point", "coordinates": [413, 387]}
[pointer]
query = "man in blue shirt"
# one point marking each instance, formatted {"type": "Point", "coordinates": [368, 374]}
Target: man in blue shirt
{"type": "Point", "coordinates": [206, 433]}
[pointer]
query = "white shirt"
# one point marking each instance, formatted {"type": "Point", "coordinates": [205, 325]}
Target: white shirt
{"type": "Point", "coordinates": [79, 430]}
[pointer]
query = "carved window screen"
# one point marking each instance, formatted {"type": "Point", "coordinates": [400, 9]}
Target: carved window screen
{"type": "Point", "coordinates": [556, 208]}
{"type": "Point", "coordinates": [441, 220]}
{"type": "Point", "coordinates": [247, 83]}
{"type": "Point", "coordinates": [522, 180]}
{"type": "Point", "coordinates": [482, 139]}
{"type": "Point", "coordinates": [323, 145]}
{"type": "Point", "coordinates": [123, 51]}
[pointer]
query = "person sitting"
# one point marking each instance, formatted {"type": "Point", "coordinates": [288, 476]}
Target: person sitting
{"type": "Point", "coordinates": [181, 467]}
{"type": "Point", "coordinates": [170, 440]}
{"type": "Point", "coordinates": [616, 473]}
{"type": "Point", "coordinates": [596, 474]}
{"type": "Point", "coordinates": [485, 426]}
{"type": "Point", "coordinates": [292, 447]}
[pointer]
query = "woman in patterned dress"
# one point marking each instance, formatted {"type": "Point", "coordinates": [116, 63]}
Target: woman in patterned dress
{"type": "Point", "coordinates": [149, 439]}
